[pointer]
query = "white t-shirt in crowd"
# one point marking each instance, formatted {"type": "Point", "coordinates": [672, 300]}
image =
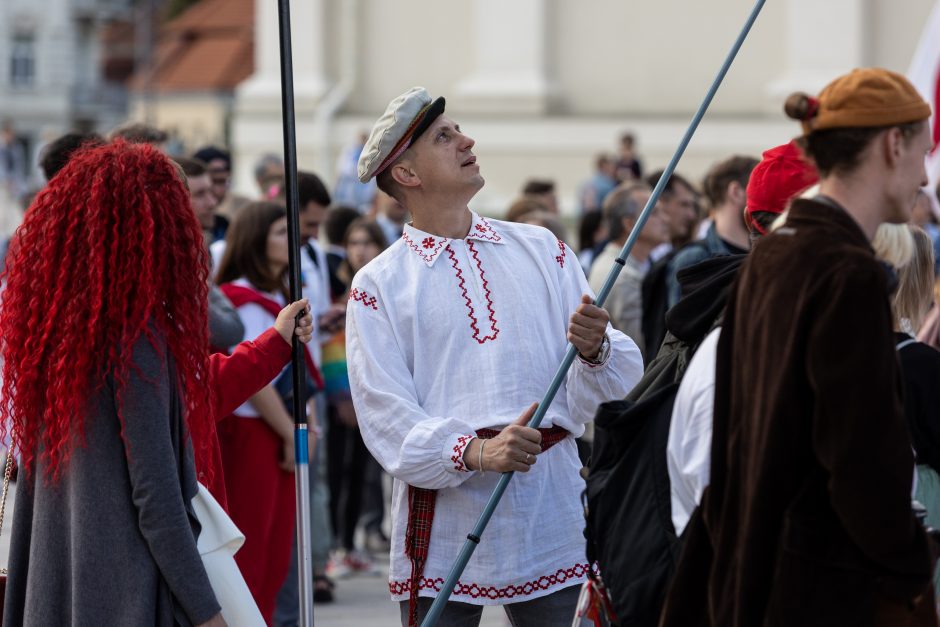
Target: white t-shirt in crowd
{"type": "Point", "coordinates": [689, 447]}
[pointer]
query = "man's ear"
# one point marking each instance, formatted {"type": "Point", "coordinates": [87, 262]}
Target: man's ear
{"type": "Point", "coordinates": [893, 145]}
{"type": "Point", "coordinates": [736, 193]}
{"type": "Point", "coordinates": [403, 174]}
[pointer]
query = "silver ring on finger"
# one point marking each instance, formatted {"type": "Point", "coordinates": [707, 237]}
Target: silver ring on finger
{"type": "Point", "coordinates": [528, 457]}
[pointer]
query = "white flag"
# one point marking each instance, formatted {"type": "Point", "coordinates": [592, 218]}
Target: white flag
{"type": "Point", "coordinates": [924, 74]}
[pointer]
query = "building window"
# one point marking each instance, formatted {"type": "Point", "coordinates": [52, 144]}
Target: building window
{"type": "Point", "coordinates": [23, 61]}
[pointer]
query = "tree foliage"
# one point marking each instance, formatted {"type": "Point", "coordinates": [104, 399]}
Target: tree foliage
{"type": "Point", "coordinates": [175, 7]}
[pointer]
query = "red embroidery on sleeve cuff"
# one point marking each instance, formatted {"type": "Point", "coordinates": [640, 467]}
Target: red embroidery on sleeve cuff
{"type": "Point", "coordinates": [363, 297]}
{"type": "Point", "coordinates": [459, 449]}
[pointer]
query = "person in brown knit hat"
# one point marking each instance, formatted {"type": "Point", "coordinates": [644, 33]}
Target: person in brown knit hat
{"type": "Point", "coordinates": [808, 518]}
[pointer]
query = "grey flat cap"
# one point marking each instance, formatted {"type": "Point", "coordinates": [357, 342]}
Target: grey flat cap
{"type": "Point", "coordinates": [405, 119]}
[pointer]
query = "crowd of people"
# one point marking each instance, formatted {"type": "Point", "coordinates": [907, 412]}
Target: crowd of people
{"type": "Point", "coordinates": [243, 247]}
{"type": "Point", "coordinates": [782, 318]}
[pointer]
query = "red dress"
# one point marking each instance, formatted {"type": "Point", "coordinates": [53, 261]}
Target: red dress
{"type": "Point", "coordinates": [233, 379]}
{"type": "Point", "coordinates": [261, 496]}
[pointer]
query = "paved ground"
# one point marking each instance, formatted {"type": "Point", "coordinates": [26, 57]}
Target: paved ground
{"type": "Point", "coordinates": [363, 601]}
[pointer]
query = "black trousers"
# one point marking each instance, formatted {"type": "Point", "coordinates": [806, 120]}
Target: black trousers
{"type": "Point", "coordinates": [347, 457]}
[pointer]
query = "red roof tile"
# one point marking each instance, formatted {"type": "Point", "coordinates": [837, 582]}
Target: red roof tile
{"type": "Point", "coordinates": [210, 47]}
{"type": "Point", "coordinates": [225, 14]}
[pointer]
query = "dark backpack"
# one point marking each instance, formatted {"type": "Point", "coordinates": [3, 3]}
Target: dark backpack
{"type": "Point", "coordinates": [629, 527]}
{"type": "Point", "coordinates": [629, 515]}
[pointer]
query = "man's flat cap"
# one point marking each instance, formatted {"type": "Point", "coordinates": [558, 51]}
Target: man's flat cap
{"type": "Point", "coordinates": [405, 119]}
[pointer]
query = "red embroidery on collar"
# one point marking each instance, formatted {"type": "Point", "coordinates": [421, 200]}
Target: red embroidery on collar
{"type": "Point", "coordinates": [479, 591]}
{"type": "Point", "coordinates": [428, 242]}
{"type": "Point", "coordinates": [485, 231]}
{"type": "Point", "coordinates": [459, 449]}
{"type": "Point", "coordinates": [462, 284]}
{"type": "Point", "coordinates": [363, 297]}
{"type": "Point", "coordinates": [427, 256]}
{"type": "Point", "coordinates": [561, 258]}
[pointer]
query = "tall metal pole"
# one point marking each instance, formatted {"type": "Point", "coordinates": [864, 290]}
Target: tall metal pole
{"type": "Point", "coordinates": [298, 368]}
{"type": "Point", "coordinates": [474, 538]}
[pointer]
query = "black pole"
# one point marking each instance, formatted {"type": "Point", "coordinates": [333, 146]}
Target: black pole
{"type": "Point", "coordinates": [298, 369]}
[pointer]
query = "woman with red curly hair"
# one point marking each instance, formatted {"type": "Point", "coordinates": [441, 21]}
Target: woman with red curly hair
{"type": "Point", "coordinates": [105, 364]}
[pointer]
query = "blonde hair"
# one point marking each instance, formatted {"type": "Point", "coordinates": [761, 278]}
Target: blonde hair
{"type": "Point", "coordinates": [894, 244]}
{"type": "Point", "coordinates": [915, 283]}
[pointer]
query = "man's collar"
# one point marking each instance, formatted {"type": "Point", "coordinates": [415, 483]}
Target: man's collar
{"type": "Point", "coordinates": [824, 211]}
{"type": "Point", "coordinates": [481, 229]}
{"type": "Point", "coordinates": [429, 247]}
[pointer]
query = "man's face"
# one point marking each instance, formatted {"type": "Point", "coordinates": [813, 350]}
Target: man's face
{"type": "Point", "coordinates": [656, 230]}
{"type": "Point", "coordinates": [911, 174]}
{"type": "Point", "coordinates": [444, 161]}
{"type": "Point", "coordinates": [679, 209]}
{"type": "Point", "coordinates": [311, 217]}
{"type": "Point", "coordinates": [220, 175]}
{"type": "Point", "coordinates": [204, 202]}
{"type": "Point", "coordinates": [272, 175]}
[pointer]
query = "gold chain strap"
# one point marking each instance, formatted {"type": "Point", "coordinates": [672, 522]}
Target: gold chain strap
{"type": "Point", "coordinates": [7, 474]}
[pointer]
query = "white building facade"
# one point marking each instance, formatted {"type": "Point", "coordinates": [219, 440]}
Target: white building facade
{"type": "Point", "coordinates": [544, 85]}
{"type": "Point", "coordinates": [50, 67]}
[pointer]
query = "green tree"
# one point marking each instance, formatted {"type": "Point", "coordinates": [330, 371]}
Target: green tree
{"type": "Point", "coordinates": [175, 7]}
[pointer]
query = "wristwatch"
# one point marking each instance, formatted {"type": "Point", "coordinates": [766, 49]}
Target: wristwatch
{"type": "Point", "coordinates": [602, 354]}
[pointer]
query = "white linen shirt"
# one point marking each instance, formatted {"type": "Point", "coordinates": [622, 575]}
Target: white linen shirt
{"type": "Point", "coordinates": [445, 337]}
{"type": "Point", "coordinates": [689, 446]}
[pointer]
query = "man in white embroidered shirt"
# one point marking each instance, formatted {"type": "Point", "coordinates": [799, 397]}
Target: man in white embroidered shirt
{"type": "Point", "coordinates": [452, 333]}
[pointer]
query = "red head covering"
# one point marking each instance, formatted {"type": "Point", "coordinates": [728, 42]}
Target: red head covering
{"type": "Point", "coordinates": [782, 174]}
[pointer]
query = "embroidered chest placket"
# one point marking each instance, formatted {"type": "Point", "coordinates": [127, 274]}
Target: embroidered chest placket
{"type": "Point", "coordinates": [473, 285]}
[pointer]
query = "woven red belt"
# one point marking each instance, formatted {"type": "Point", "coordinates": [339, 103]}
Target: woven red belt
{"type": "Point", "coordinates": [421, 504]}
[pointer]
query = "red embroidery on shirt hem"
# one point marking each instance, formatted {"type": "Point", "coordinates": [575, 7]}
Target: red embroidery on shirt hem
{"type": "Point", "coordinates": [561, 258]}
{"type": "Point", "coordinates": [459, 449]}
{"type": "Point", "coordinates": [478, 591]}
{"type": "Point", "coordinates": [462, 284]}
{"type": "Point", "coordinates": [363, 297]}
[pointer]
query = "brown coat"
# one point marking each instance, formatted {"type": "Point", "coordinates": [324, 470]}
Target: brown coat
{"type": "Point", "coordinates": [808, 517]}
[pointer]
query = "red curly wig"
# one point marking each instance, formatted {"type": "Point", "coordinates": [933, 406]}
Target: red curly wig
{"type": "Point", "coordinates": [108, 253]}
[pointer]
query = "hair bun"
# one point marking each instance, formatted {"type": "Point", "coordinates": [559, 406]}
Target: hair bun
{"type": "Point", "coordinates": [800, 106]}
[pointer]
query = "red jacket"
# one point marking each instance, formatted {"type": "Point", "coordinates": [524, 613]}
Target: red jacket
{"type": "Point", "coordinates": [235, 378]}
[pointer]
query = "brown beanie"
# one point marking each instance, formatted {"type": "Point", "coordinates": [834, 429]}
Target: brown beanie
{"type": "Point", "coordinates": [866, 97]}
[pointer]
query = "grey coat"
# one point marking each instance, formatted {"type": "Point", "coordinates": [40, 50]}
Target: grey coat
{"type": "Point", "coordinates": [114, 542]}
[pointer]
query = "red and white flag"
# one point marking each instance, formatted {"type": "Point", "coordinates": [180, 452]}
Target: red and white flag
{"type": "Point", "coordinates": [924, 73]}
